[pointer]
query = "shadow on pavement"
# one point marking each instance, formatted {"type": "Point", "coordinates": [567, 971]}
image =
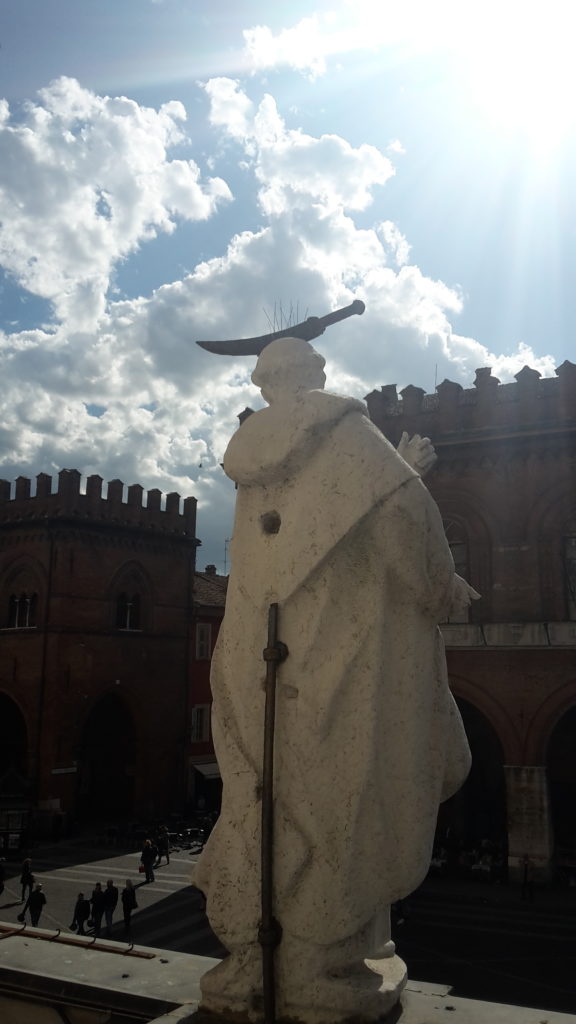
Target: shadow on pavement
{"type": "Point", "coordinates": [177, 922]}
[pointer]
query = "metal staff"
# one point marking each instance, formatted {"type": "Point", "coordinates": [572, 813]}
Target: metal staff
{"type": "Point", "coordinates": [270, 931]}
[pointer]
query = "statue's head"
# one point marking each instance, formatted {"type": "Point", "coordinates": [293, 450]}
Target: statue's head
{"type": "Point", "coordinates": [286, 367]}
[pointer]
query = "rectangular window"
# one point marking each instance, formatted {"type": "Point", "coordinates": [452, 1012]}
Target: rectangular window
{"type": "Point", "coordinates": [203, 641]}
{"type": "Point", "coordinates": [200, 731]}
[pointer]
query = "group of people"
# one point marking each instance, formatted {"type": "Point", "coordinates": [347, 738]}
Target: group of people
{"type": "Point", "coordinates": [484, 860]}
{"type": "Point", "coordinates": [88, 913]}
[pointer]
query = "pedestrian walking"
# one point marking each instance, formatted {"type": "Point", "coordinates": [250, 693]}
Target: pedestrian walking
{"type": "Point", "coordinates": [81, 914]}
{"type": "Point", "coordinates": [97, 905]}
{"type": "Point", "coordinates": [527, 890]}
{"type": "Point", "coordinates": [35, 904]}
{"type": "Point", "coordinates": [148, 858]}
{"type": "Point", "coordinates": [163, 844]}
{"type": "Point", "coordinates": [128, 903]}
{"type": "Point", "coordinates": [26, 878]}
{"type": "Point", "coordinates": [2, 874]}
{"type": "Point", "coordinates": [110, 901]}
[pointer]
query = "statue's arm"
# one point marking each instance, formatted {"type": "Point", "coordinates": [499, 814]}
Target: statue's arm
{"type": "Point", "coordinates": [462, 595]}
{"type": "Point", "coordinates": [419, 560]}
{"type": "Point", "coordinates": [418, 452]}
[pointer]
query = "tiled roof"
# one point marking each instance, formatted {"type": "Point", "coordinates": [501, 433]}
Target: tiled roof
{"type": "Point", "coordinates": [210, 589]}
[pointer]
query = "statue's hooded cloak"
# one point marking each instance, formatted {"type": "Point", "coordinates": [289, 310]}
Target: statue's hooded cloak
{"type": "Point", "coordinates": [333, 525]}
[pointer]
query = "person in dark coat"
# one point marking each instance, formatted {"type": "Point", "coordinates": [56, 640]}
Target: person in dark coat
{"type": "Point", "coordinates": [148, 857]}
{"type": "Point", "coordinates": [527, 890]}
{"type": "Point", "coordinates": [26, 878]}
{"type": "Point", "coordinates": [163, 845]}
{"type": "Point", "coordinates": [128, 903]}
{"type": "Point", "coordinates": [81, 913]}
{"type": "Point", "coordinates": [97, 904]}
{"type": "Point", "coordinates": [35, 904]}
{"type": "Point", "coordinates": [2, 874]}
{"type": "Point", "coordinates": [110, 901]}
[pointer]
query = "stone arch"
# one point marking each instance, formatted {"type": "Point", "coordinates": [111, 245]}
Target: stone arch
{"type": "Point", "coordinates": [107, 760]}
{"type": "Point", "coordinates": [475, 523]}
{"type": "Point", "coordinates": [478, 811]}
{"type": "Point", "coordinates": [555, 505]}
{"type": "Point", "coordinates": [551, 517]}
{"type": "Point", "coordinates": [496, 714]}
{"type": "Point", "coordinates": [545, 720]}
{"type": "Point", "coordinates": [561, 777]}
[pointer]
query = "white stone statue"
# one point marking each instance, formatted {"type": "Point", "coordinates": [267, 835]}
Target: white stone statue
{"type": "Point", "coordinates": [334, 525]}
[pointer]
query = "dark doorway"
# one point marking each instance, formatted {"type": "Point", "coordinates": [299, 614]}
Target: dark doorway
{"type": "Point", "coordinates": [15, 786]}
{"type": "Point", "coordinates": [478, 811]}
{"type": "Point", "coordinates": [13, 738]}
{"type": "Point", "coordinates": [561, 765]}
{"type": "Point", "coordinates": [108, 762]}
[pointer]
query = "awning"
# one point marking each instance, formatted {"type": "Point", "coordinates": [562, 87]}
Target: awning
{"type": "Point", "coordinates": [209, 770]}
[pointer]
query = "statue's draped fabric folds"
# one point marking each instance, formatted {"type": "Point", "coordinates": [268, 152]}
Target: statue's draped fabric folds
{"type": "Point", "coordinates": [334, 526]}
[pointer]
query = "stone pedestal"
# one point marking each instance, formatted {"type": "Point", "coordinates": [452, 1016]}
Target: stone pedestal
{"type": "Point", "coordinates": [529, 825]}
{"type": "Point", "coordinates": [319, 984]}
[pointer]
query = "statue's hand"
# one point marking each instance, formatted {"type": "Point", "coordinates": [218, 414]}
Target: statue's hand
{"type": "Point", "coordinates": [462, 595]}
{"type": "Point", "coordinates": [418, 452]}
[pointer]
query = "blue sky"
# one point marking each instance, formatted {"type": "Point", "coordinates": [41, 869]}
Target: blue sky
{"type": "Point", "coordinates": [177, 169]}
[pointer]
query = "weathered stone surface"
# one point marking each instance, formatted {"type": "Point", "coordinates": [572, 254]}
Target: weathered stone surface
{"type": "Point", "coordinates": [337, 529]}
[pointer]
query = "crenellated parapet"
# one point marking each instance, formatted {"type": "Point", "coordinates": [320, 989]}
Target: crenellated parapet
{"type": "Point", "coordinates": [489, 408]}
{"type": "Point", "coordinates": [122, 506]}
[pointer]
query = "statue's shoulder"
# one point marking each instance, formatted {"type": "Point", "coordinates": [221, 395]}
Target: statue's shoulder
{"type": "Point", "coordinates": [329, 406]}
{"type": "Point", "coordinates": [297, 413]}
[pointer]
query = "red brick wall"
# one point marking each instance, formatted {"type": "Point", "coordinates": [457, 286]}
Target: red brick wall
{"type": "Point", "coordinates": [81, 552]}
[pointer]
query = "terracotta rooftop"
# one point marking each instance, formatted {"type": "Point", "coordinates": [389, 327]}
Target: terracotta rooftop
{"type": "Point", "coordinates": [210, 589]}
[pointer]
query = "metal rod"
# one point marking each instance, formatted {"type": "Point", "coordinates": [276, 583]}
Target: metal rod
{"type": "Point", "coordinates": [270, 932]}
{"type": "Point", "coordinates": [62, 938]}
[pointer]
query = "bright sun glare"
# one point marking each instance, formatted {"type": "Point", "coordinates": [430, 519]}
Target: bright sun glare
{"type": "Point", "coordinates": [522, 70]}
{"type": "Point", "coordinates": [514, 59]}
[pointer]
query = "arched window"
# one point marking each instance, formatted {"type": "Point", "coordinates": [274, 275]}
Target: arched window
{"type": "Point", "coordinates": [21, 594]}
{"type": "Point", "coordinates": [22, 609]}
{"type": "Point", "coordinates": [131, 599]}
{"type": "Point", "coordinates": [128, 611]}
{"type": "Point", "coordinates": [458, 541]}
{"type": "Point", "coordinates": [570, 570]}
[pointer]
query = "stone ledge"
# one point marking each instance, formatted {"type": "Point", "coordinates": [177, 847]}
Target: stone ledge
{"type": "Point", "coordinates": [519, 635]}
{"type": "Point", "coordinates": [37, 977]}
{"type": "Point", "coordinates": [35, 970]}
{"type": "Point", "coordinates": [425, 1003]}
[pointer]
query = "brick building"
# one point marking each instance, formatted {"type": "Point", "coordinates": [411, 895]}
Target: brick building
{"type": "Point", "coordinates": [106, 631]}
{"type": "Point", "coordinates": [505, 483]}
{"type": "Point", "coordinates": [96, 619]}
{"type": "Point", "coordinates": [204, 782]}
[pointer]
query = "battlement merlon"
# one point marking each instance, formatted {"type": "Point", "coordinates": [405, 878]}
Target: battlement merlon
{"type": "Point", "coordinates": [489, 407]}
{"type": "Point", "coordinates": [178, 517]}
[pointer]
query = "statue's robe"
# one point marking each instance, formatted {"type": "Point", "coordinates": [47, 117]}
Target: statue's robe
{"type": "Point", "coordinates": [368, 738]}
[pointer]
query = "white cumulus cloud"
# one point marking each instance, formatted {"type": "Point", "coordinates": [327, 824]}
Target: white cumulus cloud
{"type": "Point", "coordinates": [122, 389]}
{"type": "Point", "coordinates": [84, 180]}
